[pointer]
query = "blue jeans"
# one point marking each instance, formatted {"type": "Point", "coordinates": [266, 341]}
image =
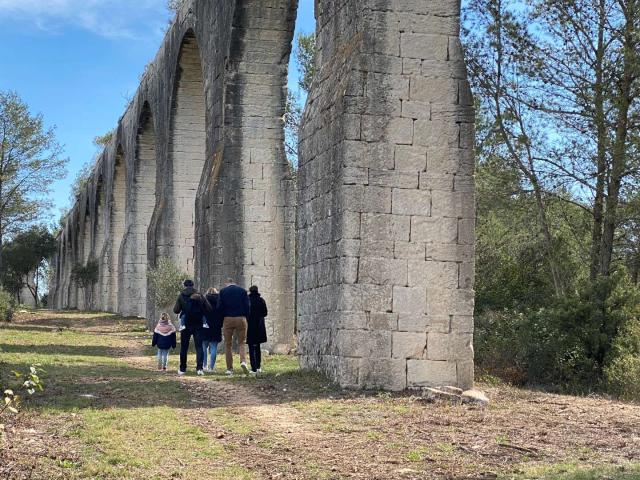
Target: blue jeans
{"type": "Point", "coordinates": [163, 357]}
{"type": "Point", "coordinates": [211, 347]}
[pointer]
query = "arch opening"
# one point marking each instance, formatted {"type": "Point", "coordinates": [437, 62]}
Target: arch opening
{"type": "Point", "coordinates": [98, 244]}
{"type": "Point", "coordinates": [116, 231]}
{"type": "Point", "coordinates": [187, 148]}
{"type": "Point", "coordinates": [141, 203]}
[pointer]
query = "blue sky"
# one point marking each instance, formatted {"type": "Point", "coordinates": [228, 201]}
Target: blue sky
{"type": "Point", "coordinates": [78, 61]}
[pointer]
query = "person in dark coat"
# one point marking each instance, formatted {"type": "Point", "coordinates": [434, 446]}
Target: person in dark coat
{"type": "Point", "coordinates": [256, 330]}
{"type": "Point", "coordinates": [212, 336]}
{"type": "Point", "coordinates": [164, 337]}
{"type": "Point", "coordinates": [233, 307]}
{"type": "Point", "coordinates": [194, 307]}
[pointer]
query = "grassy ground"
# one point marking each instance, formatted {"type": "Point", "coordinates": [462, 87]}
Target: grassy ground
{"type": "Point", "coordinates": [107, 414]}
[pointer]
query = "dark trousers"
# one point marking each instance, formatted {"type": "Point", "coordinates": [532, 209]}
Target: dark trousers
{"type": "Point", "coordinates": [255, 357]}
{"type": "Point", "coordinates": [185, 338]}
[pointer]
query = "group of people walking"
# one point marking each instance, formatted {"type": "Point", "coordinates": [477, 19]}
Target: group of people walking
{"type": "Point", "coordinates": [208, 319]}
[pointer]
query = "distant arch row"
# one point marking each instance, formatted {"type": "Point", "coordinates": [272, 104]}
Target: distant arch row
{"type": "Point", "coordinates": [173, 178]}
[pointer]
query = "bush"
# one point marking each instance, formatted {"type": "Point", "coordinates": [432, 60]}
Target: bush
{"type": "Point", "coordinates": [165, 282]}
{"type": "Point", "coordinates": [6, 306]}
{"type": "Point", "coordinates": [622, 373]}
{"type": "Point", "coordinates": [579, 343]}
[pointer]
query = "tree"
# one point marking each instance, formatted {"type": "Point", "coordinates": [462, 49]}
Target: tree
{"type": "Point", "coordinates": [165, 284]}
{"type": "Point", "coordinates": [305, 56]}
{"type": "Point", "coordinates": [174, 5]}
{"type": "Point", "coordinates": [86, 276]}
{"type": "Point", "coordinates": [27, 257]}
{"type": "Point", "coordinates": [30, 160]}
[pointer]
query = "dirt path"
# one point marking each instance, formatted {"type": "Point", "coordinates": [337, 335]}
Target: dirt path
{"type": "Point", "coordinates": [289, 425]}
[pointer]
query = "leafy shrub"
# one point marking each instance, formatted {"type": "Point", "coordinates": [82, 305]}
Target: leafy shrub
{"type": "Point", "coordinates": [6, 306]}
{"type": "Point", "coordinates": [568, 344]}
{"type": "Point", "coordinates": [29, 383]}
{"type": "Point", "coordinates": [622, 373]}
{"type": "Point", "coordinates": [165, 282]}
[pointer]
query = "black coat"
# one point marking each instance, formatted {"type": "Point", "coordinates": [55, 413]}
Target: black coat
{"type": "Point", "coordinates": [214, 320]}
{"type": "Point", "coordinates": [256, 329]}
{"type": "Point", "coordinates": [164, 342]}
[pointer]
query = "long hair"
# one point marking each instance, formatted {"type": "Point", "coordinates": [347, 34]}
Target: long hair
{"type": "Point", "coordinates": [212, 291]}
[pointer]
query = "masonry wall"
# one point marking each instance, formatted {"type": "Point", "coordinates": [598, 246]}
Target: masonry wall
{"type": "Point", "coordinates": [196, 169]}
{"type": "Point", "coordinates": [385, 198]}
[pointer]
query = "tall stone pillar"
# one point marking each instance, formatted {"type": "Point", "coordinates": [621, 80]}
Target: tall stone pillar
{"type": "Point", "coordinates": [386, 198]}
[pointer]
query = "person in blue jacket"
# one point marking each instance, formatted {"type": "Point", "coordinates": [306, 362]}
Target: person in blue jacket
{"type": "Point", "coordinates": [164, 337]}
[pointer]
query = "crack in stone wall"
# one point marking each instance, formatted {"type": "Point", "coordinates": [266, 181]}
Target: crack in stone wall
{"type": "Point", "coordinates": [384, 216]}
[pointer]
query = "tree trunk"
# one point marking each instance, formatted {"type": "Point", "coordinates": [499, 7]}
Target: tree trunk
{"type": "Point", "coordinates": [601, 138]}
{"type": "Point", "coordinates": [619, 153]}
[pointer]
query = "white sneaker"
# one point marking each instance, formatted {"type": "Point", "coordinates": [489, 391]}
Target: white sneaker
{"type": "Point", "coordinates": [200, 372]}
{"type": "Point", "coordinates": [259, 370]}
{"type": "Point", "coordinates": [252, 373]}
{"type": "Point", "coordinates": [180, 372]}
{"type": "Point", "coordinates": [182, 327]}
{"type": "Point", "coordinates": [205, 325]}
{"type": "Point", "coordinates": [244, 368]}
{"type": "Point", "coordinates": [229, 372]}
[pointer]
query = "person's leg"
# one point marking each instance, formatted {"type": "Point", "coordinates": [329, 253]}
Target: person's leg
{"type": "Point", "coordinates": [197, 339]}
{"type": "Point", "coordinates": [252, 358]}
{"type": "Point", "coordinates": [259, 356]}
{"type": "Point", "coordinates": [159, 357]}
{"type": "Point", "coordinates": [228, 342]}
{"type": "Point", "coordinates": [164, 358]}
{"type": "Point", "coordinates": [242, 339]}
{"type": "Point", "coordinates": [205, 350]}
{"type": "Point", "coordinates": [185, 338]}
{"type": "Point", "coordinates": [213, 346]}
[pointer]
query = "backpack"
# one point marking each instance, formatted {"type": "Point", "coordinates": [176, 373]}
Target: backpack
{"type": "Point", "coordinates": [193, 309]}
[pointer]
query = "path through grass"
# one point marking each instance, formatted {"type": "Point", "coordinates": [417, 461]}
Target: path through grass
{"type": "Point", "coordinates": [107, 414]}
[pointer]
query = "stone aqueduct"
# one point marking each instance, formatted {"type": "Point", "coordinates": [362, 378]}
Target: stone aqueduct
{"type": "Point", "coordinates": [366, 253]}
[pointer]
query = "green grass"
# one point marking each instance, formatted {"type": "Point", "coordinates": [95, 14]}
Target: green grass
{"type": "Point", "coordinates": [132, 421]}
{"type": "Point", "coordinates": [575, 471]}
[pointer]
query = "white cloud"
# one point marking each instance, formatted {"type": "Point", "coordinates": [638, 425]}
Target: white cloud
{"type": "Point", "coordinates": [116, 19]}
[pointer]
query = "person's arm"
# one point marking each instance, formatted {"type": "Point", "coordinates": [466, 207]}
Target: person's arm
{"type": "Point", "coordinates": [247, 306]}
{"type": "Point", "coordinates": [220, 306]}
{"type": "Point", "coordinates": [175, 343]}
{"type": "Point", "coordinates": [154, 342]}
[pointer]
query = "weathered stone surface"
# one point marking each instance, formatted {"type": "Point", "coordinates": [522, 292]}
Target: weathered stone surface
{"type": "Point", "coordinates": [383, 222]}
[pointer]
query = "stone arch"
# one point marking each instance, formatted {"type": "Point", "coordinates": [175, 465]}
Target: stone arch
{"type": "Point", "coordinates": [187, 151]}
{"type": "Point", "coordinates": [141, 200]}
{"type": "Point", "coordinates": [86, 250]}
{"type": "Point", "coordinates": [98, 243]}
{"type": "Point", "coordinates": [116, 230]}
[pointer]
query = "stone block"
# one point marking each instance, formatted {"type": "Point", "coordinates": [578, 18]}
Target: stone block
{"type": "Point", "coordinates": [408, 158]}
{"type": "Point", "coordinates": [449, 302]}
{"type": "Point", "coordinates": [450, 346]}
{"type": "Point", "coordinates": [389, 374]}
{"type": "Point", "coordinates": [385, 227]}
{"type": "Point", "coordinates": [429, 373]}
{"type": "Point", "coordinates": [409, 300]}
{"type": "Point", "coordinates": [411, 202]}
{"type": "Point", "coordinates": [424, 46]}
{"type": "Point", "coordinates": [408, 345]}
{"type": "Point", "coordinates": [434, 229]}
{"type": "Point", "coordinates": [434, 90]}
{"type": "Point", "coordinates": [382, 271]}
{"type": "Point", "coordinates": [433, 273]}
{"type": "Point", "coordinates": [466, 374]}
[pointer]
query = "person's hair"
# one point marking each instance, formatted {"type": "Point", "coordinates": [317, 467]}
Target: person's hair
{"type": "Point", "coordinates": [188, 283]}
{"type": "Point", "coordinates": [212, 291]}
{"type": "Point", "coordinates": [165, 316]}
{"type": "Point", "coordinates": [230, 280]}
{"type": "Point", "coordinates": [253, 289]}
